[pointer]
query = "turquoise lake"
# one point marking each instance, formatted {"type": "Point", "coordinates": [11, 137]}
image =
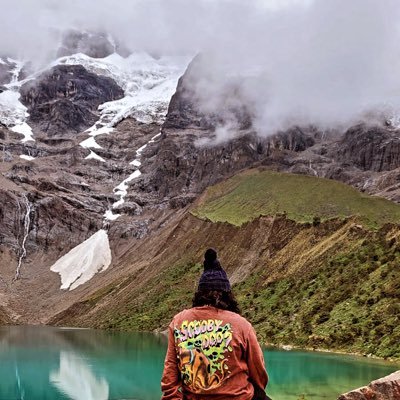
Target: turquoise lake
{"type": "Point", "coordinates": [43, 363]}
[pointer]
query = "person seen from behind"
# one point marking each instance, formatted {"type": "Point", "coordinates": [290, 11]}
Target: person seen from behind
{"type": "Point", "coordinates": [213, 352]}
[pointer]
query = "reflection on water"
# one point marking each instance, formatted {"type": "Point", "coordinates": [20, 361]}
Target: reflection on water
{"type": "Point", "coordinates": [76, 380]}
{"type": "Point", "coordinates": [79, 364]}
{"type": "Point", "coordinates": [42, 363]}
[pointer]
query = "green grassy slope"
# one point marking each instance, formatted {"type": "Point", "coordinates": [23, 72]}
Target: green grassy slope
{"type": "Point", "coordinates": [302, 198]}
{"type": "Point", "coordinates": [351, 303]}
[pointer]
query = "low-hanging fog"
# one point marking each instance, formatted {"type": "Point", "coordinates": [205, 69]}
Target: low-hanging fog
{"type": "Point", "coordinates": [326, 62]}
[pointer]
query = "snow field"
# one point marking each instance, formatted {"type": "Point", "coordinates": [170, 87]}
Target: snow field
{"type": "Point", "coordinates": [13, 113]}
{"type": "Point", "coordinates": [81, 263]}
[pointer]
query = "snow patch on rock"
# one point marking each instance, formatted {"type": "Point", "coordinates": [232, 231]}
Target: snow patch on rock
{"type": "Point", "coordinates": [122, 189]}
{"type": "Point", "coordinates": [110, 216]}
{"type": "Point", "coordinates": [81, 263]}
{"type": "Point", "coordinates": [94, 156]}
{"type": "Point", "coordinates": [24, 129]}
{"type": "Point", "coordinates": [13, 114]}
{"type": "Point", "coordinates": [90, 143]}
{"type": "Point", "coordinates": [28, 158]}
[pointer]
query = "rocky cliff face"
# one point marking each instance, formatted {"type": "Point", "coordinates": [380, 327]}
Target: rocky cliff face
{"type": "Point", "coordinates": [370, 148]}
{"type": "Point", "coordinates": [387, 388]}
{"type": "Point", "coordinates": [53, 201]}
{"type": "Point", "coordinates": [66, 98]}
{"type": "Point", "coordinates": [182, 168]}
{"type": "Point", "coordinates": [189, 158]}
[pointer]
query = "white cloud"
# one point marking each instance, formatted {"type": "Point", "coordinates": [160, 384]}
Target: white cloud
{"type": "Point", "coordinates": [322, 61]}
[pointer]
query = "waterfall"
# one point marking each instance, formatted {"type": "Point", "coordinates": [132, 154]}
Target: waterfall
{"type": "Point", "coordinates": [27, 222]}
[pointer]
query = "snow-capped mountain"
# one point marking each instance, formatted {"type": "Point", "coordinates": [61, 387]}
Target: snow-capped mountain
{"type": "Point", "coordinates": [147, 84]}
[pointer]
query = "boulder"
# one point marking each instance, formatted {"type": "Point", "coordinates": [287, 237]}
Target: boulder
{"type": "Point", "coordinates": [387, 388]}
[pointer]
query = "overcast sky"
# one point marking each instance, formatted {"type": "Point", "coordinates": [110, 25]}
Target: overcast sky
{"type": "Point", "coordinates": [324, 61]}
{"type": "Point", "coordinates": [31, 28]}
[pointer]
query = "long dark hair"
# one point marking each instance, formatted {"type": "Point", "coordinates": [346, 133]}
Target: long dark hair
{"type": "Point", "coordinates": [216, 298]}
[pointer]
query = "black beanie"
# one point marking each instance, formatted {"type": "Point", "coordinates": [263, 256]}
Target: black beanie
{"type": "Point", "coordinates": [214, 277]}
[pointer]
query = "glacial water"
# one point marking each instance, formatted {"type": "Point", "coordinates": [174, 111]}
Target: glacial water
{"type": "Point", "coordinates": [41, 363]}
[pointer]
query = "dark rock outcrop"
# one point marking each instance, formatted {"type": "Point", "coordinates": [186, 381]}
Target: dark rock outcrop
{"type": "Point", "coordinates": [51, 217]}
{"type": "Point", "coordinates": [66, 98]}
{"type": "Point", "coordinates": [387, 388]}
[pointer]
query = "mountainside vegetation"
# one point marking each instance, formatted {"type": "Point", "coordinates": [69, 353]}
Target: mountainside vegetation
{"type": "Point", "coordinates": [305, 274]}
{"type": "Point", "coordinates": [301, 198]}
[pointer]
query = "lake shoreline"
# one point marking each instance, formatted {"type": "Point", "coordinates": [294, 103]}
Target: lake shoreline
{"type": "Point", "coordinates": [286, 347]}
{"type": "Point", "coordinates": [290, 347]}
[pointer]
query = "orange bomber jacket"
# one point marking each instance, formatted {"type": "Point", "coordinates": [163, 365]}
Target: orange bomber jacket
{"type": "Point", "coordinates": [212, 354]}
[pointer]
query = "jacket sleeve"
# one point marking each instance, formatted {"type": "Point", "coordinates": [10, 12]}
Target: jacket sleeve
{"type": "Point", "coordinates": [255, 361]}
{"type": "Point", "coordinates": [171, 381]}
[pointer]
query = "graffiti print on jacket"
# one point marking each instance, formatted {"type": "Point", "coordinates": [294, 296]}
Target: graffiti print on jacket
{"type": "Point", "coordinates": [202, 348]}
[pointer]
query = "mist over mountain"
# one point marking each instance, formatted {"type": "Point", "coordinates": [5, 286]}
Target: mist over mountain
{"type": "Point", "coordinates": [325, 62]}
